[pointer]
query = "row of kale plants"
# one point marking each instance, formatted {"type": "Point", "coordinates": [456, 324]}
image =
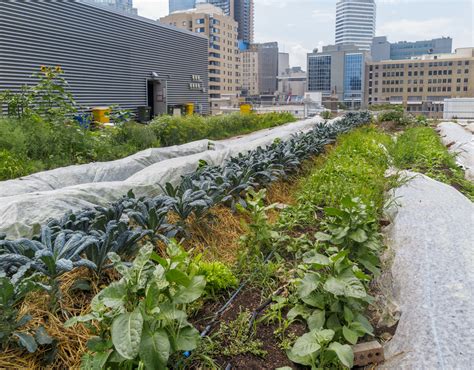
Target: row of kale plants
{"type": "Point", "coordinates": [149, 301]}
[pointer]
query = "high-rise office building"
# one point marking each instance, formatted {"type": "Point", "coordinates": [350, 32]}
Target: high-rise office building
{"type": "Point", "coordinates": [227, 6]}
{"type": "Point", "coordinates": [382, 49]}
{"type": "Point", "coordinates": [267, 68]}
{"type": "Point", "coordinates": [283, 62]}
{"type": "Point", "coordinates": [125, 6]}
{"type": "Point", "coordinates": [178, 5]}
{"type": "Point", "coordinates": [338, 70]}
{"type": "Point", "coordinates": [244, 13]}
{"type": "Point", "coordinates": [355, 22]}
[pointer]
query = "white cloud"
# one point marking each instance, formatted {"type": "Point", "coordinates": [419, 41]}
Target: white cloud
{"type": "Point", "coordinates": [153, 9]}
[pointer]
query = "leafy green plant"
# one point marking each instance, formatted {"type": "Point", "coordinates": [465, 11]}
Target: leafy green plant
{"type": "Point", "coordinates": [12, 326]}
{"type": "Point", "coordinates": [234, 338]}
{"type": "Point", "coordinates": [353, 228]}
{"type": "Point", "coordinates": [47, 256]}
{"type": "Point", "coordinates": [219, 277]}
{"type": "Point", "coordinates": [260, 236]}
{"type": "Point", "coordinates": [117, 238]}
{"type": "Point", "coordinates": [318, 350]}
{"type": "Point", "coordinates": [142, 318]}
{"type": "Point", "coordinates": [326, 114]}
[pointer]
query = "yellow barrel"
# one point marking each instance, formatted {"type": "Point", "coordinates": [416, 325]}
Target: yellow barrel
{"type": "Point", "coordinates": [101, 114]}
{"type": "Point", "coordinates": [189, 109]}
{"type": "Point", "coordinates": [246, 108]}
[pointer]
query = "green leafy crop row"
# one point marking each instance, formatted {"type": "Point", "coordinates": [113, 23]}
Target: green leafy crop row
{"type": "Point", "coordinates": [95, 238]}
{"type": "Point", "coordinates": [420, 149]}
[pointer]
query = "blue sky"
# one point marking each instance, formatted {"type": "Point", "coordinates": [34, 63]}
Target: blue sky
{"type": "Point", "coordinates": [301, 25]}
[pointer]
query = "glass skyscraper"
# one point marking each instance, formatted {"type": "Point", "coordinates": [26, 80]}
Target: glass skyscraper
{"type": "Point", "coordinates": [355, 22]}
{"type": "Point", "coordinates": [353, 72]}
{"type": "Point", "coordinates": [125, 6]}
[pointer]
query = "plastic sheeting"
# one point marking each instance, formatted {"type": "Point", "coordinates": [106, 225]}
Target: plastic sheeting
{"type": "Point", "coordinates": [461, 142]}
{"type": "Point", "coordinates": [52, 193]}
{"type": "Point", "coordinates": [432, 237]}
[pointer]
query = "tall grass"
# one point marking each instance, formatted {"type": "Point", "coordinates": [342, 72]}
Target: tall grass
{"type": "Point", "coordinates": [355, 168]}
{"type": "Point", "coordinates": [420, 149]}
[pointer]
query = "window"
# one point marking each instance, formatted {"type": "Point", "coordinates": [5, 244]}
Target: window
{"type": "Point", "coordinates": [200, 21]}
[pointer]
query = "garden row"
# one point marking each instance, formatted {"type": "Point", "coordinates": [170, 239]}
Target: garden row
{"type": "Point", "coordinates": [308, 275]}
{"type": "Point", "coordinates": [39, 132]}
{"type": "Point", "coordinates": [420, 149]}
{"type": "Point", "coordinates": [141, 317]}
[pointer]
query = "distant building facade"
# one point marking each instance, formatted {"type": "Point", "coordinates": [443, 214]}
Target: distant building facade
{"type": "Point", "coordinates": [292, 84]}
{"type": "Point", "coordinates": [244, 15]}
{"type": "Point", "coordinates": [283, 63]}
{"type": "Point", "coordinates": [125, 6]}
{"type": "Point", "coordinates": [355, 22]}
{"type": "Point", "coordinates": [421, 84]}
{"type": "Point", "coordinates": [250, 80]}
{"type": "Point", "coordinates": [224, 58]}
{"type": "Point", "coordinates": [267, 68]}
{"type": "Point", "coordinates": [382, 49]}
{"type": "Point", "coordinates": [338, 71]}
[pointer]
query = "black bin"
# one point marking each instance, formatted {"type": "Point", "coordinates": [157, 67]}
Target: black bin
{"type": "Point", "coordinates": [143, 114]}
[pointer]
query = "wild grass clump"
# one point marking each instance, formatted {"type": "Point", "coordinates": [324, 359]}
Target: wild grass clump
{"type": "Point", "coordinates": [179, 130]}
{"type": "Point", "coordinates": [420, 149]}
{"type": "Point", "coordinates": [355, 168]}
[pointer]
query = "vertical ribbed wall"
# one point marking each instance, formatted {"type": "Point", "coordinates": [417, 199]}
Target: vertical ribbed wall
{"type": "Point", "coordinates": [107, 56]}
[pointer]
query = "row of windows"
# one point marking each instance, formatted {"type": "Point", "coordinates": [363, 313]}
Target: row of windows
{"type": "Point", "coordinates": [421, 65]}
{"type": "Point", "coordinates": [418, 89]}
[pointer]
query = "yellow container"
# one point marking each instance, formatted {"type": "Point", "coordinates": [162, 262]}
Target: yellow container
{"type": "Point", "coordinates": [189, 108]}
{"type": "Point", "coordinates": [246, 108]}
{"type": "Point", "coordinates": [101, 114]}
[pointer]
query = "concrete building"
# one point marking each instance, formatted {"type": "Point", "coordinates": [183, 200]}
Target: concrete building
{"type": "Point", "coordinates": [250, 80]}
{"type": "Point", "coordinates": [355, 22]}
{"type": "Point", "coordinates": [292, 84]}
{"type": "Point", "coordinates": [267, 68]}
{"type": "Point", "coordinates": [108, 57]}
{"type": "Point", "coordinates": [224, 59]}
{"type": "Point", "coordinates": [283, 63]}
{"type": "Point", "coordinates": [382, 49]}
{"type": "Point", "coordinates": [421, 84]}
{"type": "Point", "coordinates": [125, 6]}
{"type": "Point", "coordinates": [338, 71]}
{"type": "Point", "coordinates": [244, 15]}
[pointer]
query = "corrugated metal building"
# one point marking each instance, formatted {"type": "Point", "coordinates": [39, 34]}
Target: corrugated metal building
{"type": "Point", "coordinates": [108, 57]}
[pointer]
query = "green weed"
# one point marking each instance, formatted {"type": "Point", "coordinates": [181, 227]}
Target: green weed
{"type": "Point", "coordinates": [420, 149]}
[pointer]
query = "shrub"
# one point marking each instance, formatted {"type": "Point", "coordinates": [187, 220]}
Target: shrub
{"type": "Point", "coordinates": [180, 130]}
{"type": "Point", "coordinates": [11, 166]}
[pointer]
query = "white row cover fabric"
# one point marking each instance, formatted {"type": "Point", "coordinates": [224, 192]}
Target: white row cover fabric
{"type": "Point", "coordinates": [23, 208]}
{"type": "Point", "coordinates": [461, 142]}
{"type": "Point", "coordinates": [432, 237]}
